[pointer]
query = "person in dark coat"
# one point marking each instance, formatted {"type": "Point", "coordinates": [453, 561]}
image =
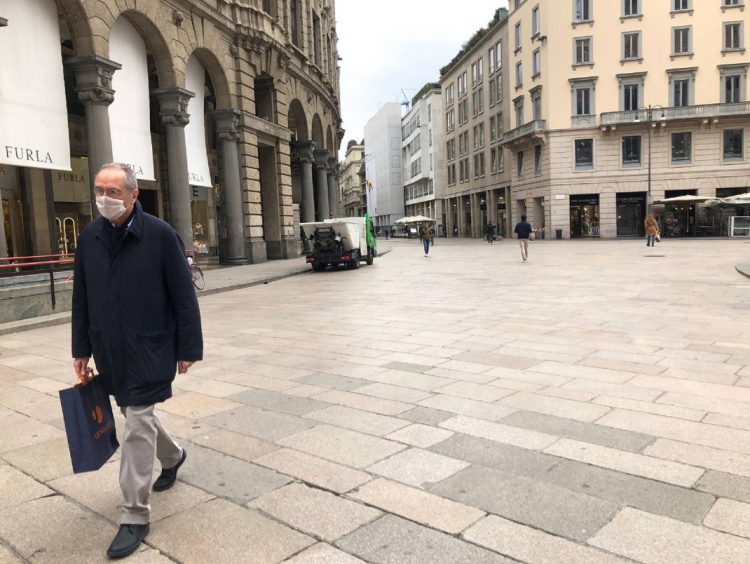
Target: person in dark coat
{"type": "Point", "coordinates": [523, 229]}
{"type": "Point", "coordinates": [134, 310]}
{"type": "Point", "coordinates": [490, 230]}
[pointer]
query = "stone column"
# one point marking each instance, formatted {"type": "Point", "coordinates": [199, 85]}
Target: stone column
{"type": "Point", "coordinates": [333, 206]}
{"type": "Point", "coordinates": [304, 154]}
{"type": "Point", "coordinates": [173, 112]}
{"type": "Point", "coordinates": [228, 135]}
{"type": "Point", "coordinates": [321, 186]}
{"type": "Point", "coordinates": [461, 214]}
{"type": "Point", "coordinates": [94, 88]}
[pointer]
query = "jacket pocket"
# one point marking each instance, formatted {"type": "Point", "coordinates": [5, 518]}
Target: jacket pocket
{"type": "Point", "coordinates": [156, 357]}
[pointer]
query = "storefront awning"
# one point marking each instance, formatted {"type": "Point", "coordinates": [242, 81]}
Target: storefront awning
{"type": "Point", "coordinates": [129, 114]}
{"type": "Point", "coordinates": [195, 130]}
{"type": "Point", "coordinates": [687, 199]}
{"type": "Point", "coordinates": [33, 112]}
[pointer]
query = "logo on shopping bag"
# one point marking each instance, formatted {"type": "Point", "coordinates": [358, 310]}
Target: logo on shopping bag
{"type": "Point", "coordinates": [97, 414]}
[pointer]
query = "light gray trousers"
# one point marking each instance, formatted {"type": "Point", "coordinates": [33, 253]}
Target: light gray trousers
{"type": "Point", "coordinates": [143, 438]}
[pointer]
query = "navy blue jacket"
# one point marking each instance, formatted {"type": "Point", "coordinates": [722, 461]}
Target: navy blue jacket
{"type": "Point", "coordinates": [523, 229]}
{"type": "Point", "coordinates": [134, 308]}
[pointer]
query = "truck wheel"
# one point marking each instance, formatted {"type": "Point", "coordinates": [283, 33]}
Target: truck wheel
{"type": "Point", "coordinates": [318, 267]}
{"type": "Point", "coordinates": [370, 256]}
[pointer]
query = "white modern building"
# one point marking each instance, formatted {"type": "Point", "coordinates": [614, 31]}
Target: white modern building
{"type": "Point", "coordinates": [385, 197]}
{"type": "Point", "coordinates": [424, 165]}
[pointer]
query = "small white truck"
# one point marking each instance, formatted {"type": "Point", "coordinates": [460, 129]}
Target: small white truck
{"type": "Point", "coordinates": [341, 240]}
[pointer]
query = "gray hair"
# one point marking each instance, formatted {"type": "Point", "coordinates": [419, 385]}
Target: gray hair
{"type": "Point", "coordinates": [131, 182]}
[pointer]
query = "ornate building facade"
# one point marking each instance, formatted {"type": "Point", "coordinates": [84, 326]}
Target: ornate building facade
{"type": "Point", "coordinates": [228, 110]}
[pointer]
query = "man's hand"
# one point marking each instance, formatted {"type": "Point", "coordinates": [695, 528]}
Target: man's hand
{"type": "Point", "coordinates": [184, 365]}
{"type": "Point", "coordinates": [81, 366]}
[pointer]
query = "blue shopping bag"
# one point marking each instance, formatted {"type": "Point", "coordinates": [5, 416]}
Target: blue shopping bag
{"type": "Point", "coordinates": [89, 425]}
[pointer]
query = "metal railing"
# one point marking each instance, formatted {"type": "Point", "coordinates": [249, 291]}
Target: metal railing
{"type": "Point", "coordinates": [525, 129]}
{"type": "Point", "coordinates": [37, 264]}
{"type": "Point", "coordinates": [676, 112]}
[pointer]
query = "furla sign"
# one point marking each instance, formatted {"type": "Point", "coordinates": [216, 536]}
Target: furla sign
{"type": "Point", "coordinates": [33, 113]}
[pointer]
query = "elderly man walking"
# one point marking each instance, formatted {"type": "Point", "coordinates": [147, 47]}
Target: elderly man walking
{"type": "Point", "coordinates": [135, 311]}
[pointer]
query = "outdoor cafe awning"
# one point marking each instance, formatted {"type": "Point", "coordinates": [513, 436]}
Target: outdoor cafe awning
{"type": "Point", "coordinates": [415, 219]}
{"type": "Point", "coordinates": [688, 199]}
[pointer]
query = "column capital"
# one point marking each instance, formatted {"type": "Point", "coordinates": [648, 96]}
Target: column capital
{"type": "Point", "coordinates": [332, 165]}
{"type": "Point", "coordinates": [321, 158]}
{"type": "Point", "coordinates": [94, 79]}
{"type": "Point", "coordinates": [173, 104]}
{"type": "Point", "coordinates": [227, 124]}
{"type": "Point", "coordinates": [303, 151]}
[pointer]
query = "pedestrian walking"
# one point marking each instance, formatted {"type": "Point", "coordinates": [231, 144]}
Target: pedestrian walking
{"type": "Point", "coordinates": [652, 230]}
{"type": "Point", "coordinates": [425, 234]}
{"type": "Point", "coordinates": [523, 230]}
{"type": "Point", "coordinates": [490, 233]}
{"type": "Point", "coordinates": [135, 311]}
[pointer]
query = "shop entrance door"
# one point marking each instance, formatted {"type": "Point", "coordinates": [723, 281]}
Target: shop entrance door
{"type": "Point", "coordinates": [631, 213]}
{"type": "Point", "coordinates": [584, 215]}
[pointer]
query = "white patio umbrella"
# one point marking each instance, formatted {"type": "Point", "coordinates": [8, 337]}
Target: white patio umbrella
{"type": "Point", "coordinates": [687, 199]}
{"type": "Point", "coordinates": [407, 219]}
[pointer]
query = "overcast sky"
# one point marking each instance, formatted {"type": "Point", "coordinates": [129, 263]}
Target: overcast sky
{"type": "Point", "coordinates": [393, 45]}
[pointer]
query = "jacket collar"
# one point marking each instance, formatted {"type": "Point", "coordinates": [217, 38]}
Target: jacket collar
{"type": "Point", "coordinates": [136, 225]}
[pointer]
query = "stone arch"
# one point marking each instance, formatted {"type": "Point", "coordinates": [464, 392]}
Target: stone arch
{"type": "Point", "coordinates": [317, 132]}
{"type": "Point", "coordinates": [217, 74]}
{"type": "Point", "coordinates": [155, 43]}
{"type": "Point", "coordinates": [329, 140]}
{"type": "Point", "coordinates": [297, 121]}
{"type": "Point", "coordinates": [75, 17]}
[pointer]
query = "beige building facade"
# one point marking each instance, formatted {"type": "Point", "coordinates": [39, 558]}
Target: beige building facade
{"type": "Point", "coordinates": [619, 104]}
{"type": "Point", "coordinates": [424, 167]}
{"type": "Point", "coordinates": [475, 116]}
{"type": "Point", "coordinates": [349, 180]}
{"type": "Point", "coordinates": [270, 110]}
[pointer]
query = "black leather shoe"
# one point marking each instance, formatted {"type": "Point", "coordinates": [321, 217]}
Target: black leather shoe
{"type": "Point", "coordinates": [127, 540]}
{"type": "Point", "coordinates": [168, 476]}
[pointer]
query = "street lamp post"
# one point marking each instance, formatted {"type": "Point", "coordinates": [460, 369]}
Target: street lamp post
{"type": "Point", "coordinates": [650, 121]}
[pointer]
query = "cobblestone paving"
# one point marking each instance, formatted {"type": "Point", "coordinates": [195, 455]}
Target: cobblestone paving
{"type": "Point", "coordinates": [590, 405]}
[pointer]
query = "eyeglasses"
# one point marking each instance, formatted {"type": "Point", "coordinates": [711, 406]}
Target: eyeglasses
{"type": "Point", "coordinates": [111, 192]}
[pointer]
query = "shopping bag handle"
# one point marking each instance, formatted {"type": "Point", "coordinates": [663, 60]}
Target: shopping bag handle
{"type": "Point", "coordinates": [87, 377]}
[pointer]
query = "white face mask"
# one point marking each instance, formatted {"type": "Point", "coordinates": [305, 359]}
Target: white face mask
{"type": "Point", "coordinates": [110, 208]}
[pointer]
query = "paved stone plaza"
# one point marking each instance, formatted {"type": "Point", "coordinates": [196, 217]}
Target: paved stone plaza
{"type": "Point", "coordinates": [591, 405]}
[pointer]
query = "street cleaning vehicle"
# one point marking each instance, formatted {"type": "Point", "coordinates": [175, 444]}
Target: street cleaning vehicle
{"type": "Point", "coordinates": [341, 240]}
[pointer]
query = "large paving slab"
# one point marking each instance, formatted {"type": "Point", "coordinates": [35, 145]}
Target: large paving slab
{"type": "Point", "coordinates": [315, 512]}
{"type": "Point", "coordinates": [579, 430]}
{"type": "Point", "coordinates": [228, 477]}
{"type": "Point", "coordinates": [627, 490]}
{"type": "Point", "coordinates": [341, 445]}
{"type": "Point", "coordinates": [417, 505]}
{"type": "Point", "coordinates": [653, 539]}
{"type": "Point", "coordinates": [532, 545]}
{"type": "Point", "coordinates": [266, 425]}
{"type": "Point", "coordinates": [542, 505]}
{"type": "Point", "coordinates": [392, 540]}
{"type": "Point", "coordinates": [219, 531]}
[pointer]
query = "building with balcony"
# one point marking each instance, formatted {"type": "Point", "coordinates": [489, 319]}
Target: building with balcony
{"type": "Point", "coordinates": [227, 110]}
{"type": "Point", "coordinates": [424, 166]}
{"type": "Point", "coordinates": [475, 116]}
{"type": "Point", "coordinates": [383, 165]}
{"type": "Point", "coordinates": [351, 198]}
{"type": "Point", "coordinates": [617, 106]}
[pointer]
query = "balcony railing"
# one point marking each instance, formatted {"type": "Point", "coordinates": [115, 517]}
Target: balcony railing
{"type": "Point", "coordinates": [525, 129]}
{"type": "Point", "coordinates": [676, 112]}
